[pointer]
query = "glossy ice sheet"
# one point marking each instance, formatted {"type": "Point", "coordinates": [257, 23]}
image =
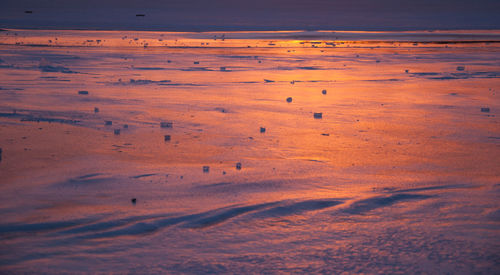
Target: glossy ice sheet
{"type": "Point", "coordinates": [401, 173]}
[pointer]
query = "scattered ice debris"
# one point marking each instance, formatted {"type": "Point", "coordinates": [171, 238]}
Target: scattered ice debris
{"type": "Point", "coordinates": [318, 115]}
{"type": "Point", "coordinates": [165, 124]}
{"type": "Point", "coordinates": [323, 92]}
{"type": "Point", "coordinates": [167, 138]}
{"type": "Point", "coordinates": [148, 68]}
{"type": "Point", "coordinates": [206, 169]}
{"type": "Point", "coordinates": [32, 118]}
{"type": "Point", "coordinates": [125, 126]}
{"type": "Point", "coordinates": [262, 129]}
{"type": "Point", "coordinates": [222, 110]}
{"type": "Point", "coordinates": [45, 66]}
{"type": "Point", "coordinates": [288, 99]}
{"type": "Point", "coordinates": [407, 71]}
{"type": "Point", "coordinates": [96, 110]}
{"type": "Point", "coordinates": [453, 93]}
{"type": "Point", "coordinates": [197, 69]}
{"type": "Point", "coordinates": [108, 123]}
{"type": "Point", "coordinates": [485, 109]}
{"type": "Point", "coordinates": [268, 80]}
{"type": "Point", "coordinates": [456, 75]}
{"type": "Point", "coordinates": [223, 172]}
{"type": "Point", "coordinates": [133, 200]}
{"type": "Point", "coordinates": [55, 69]}
{"type": "Point", "coordinates": [117, 131]}
{"type": "Point", "coordinates": [460, 68]}
{"type": "Point", "coordinates": [238, 166]}
{"type": "Point", "coordinates": [222, 69]}
{"type": "Point", "coordinates": [292, 82]}
{"type": "Point", "coordinates": [325, 134]}
{"type": "Point", "coordinates": [83, 92]}
{"type": "Point", "coordinates": [196, 62]}
{"type": "Point", "coordinates": [145, 81]}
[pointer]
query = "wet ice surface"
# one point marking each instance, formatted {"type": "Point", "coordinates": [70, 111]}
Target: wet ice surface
{"type": "Point", "coordinates": [400, 173]}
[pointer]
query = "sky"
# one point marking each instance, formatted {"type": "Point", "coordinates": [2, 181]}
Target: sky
{"type": "Point", "coordinates": [199, 15]}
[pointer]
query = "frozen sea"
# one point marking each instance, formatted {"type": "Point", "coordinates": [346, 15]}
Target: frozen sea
{"type": "Point", "coordinates": [176, 152]}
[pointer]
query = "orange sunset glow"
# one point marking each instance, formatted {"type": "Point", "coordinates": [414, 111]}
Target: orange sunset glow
{"type": "Point", "coordinates": [247, 150]}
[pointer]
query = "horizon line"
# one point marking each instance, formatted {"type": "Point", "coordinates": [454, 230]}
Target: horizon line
{"type": "Point", "coordinates": [256, 29]}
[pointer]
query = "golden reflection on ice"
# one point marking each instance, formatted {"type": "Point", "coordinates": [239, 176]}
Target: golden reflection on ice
{"type": "Point", "coordinates": [403, 121]}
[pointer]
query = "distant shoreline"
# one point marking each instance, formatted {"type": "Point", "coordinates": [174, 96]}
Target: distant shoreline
{"type": "Point", "coordinates": [214, 28]}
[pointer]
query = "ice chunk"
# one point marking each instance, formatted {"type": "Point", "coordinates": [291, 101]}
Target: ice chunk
{"type": "Point", "coordinates": [167, 137]}
{"type": "Point", "coordinates": [323, 92]}
{"type": "Point", "coordinates": [165, 124]}
{"type": "Point", "coordinates": [83, 92]}
{"type": "Point", "coordinates": [108, 122]}
{"type": "Point", "coordinates": [485, 109]}
{"type": "Point", "coordinates": [262, 129]}
{"type": "Point", "coordinates": [460, 68]}
{"type": "Point", "coordinates": [318, 115]}
{"type": "Point", "coordinates": [206, 169]}
{"type": "Point", "coordinates": [117, 131]}
{"type": "Point", "coordinates": [238, 166]}
{"type": "Point", "coordinates": [288, 99]}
